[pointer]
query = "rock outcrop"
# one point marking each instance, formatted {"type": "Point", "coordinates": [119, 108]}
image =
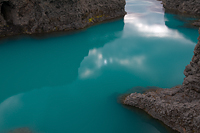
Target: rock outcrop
{"type": "Point", "coordinates": [178, 107]}
{"type": "Point", "coordinates": [184, 6]}
{"type": "Point", "coordinates": [38, 16]}
{"type": "Point", "coordinates": [192, 71]}
{"type": "Point", "coordinates": [191, 7]}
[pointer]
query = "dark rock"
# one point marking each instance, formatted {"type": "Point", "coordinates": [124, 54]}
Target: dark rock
{"type": "Point", "coordinates": [37, 16]}
{"type": "Point", "coordinates": [172, 106]}
{"type": "Point", "coordinates": [192, 71]}
{"type": "Point", "coordinates": [178, 107]}
{"type": "Point", "coordinates": [183, 6]}
{"type": "Point", "coordinates": [196, 24]}
{"type": "Point", "coordinates": [186, 7]}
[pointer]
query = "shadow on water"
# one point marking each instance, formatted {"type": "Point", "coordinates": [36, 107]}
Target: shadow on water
{"type": "Point", "coordinates": [144, 116]}
{"type": "Point", "coordinates": [159, 125]}
{"type": "Point", "coordinates": [140, 89]}
{"type": "Point", "coordinates": [183, 25]}
{"type": "Point", "coordinates": [28, 63]}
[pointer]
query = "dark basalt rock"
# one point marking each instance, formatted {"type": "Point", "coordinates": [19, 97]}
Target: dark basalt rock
{"type": "Point", "coordinates": [38, 16]}
{"type": "Point", "coordinates": [188, 7]}
{"type": "Point", "coordinates": [178, 107]}
{"type": "Point", "coordinates": [192, 71]}
{"type": "Point", "coordinates": [183, 6]}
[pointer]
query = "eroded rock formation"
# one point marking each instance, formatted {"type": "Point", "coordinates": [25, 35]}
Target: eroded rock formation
{"type": "Point", "coordinates": [36, 16]}
{"type": "Point", "coordinates": [178, 107]}
{"type": "Point", "coordinates": [184, 6]}
{"type": "Point", "coordinates": [192, 71]}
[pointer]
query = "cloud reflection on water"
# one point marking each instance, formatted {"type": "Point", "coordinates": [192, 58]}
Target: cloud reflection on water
{"type": "Point", "coordinates": [9, 106]}
{"type": "Point", "coordinates": [147, 17]}
{"type": "Point", "coordinates": [130, 57]}
{"type": "Point", "coordinates": [144, 27]}
{"type": "Point", "coordinates": [98, 58]}
{"type": "Point", "coordinates": [140, 26]}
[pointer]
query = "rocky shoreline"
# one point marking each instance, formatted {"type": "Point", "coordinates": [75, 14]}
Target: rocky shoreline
{"type": "Point", "coordinates": [174, 107]}
{"type": "Point", "coordinates": [42, 16]}
{"type": "Point", "coordinates": [177, 107]}
{"type": "Point", "coordinates": [188, 7]}
{"type": "Point", "coordinates": [183, 6]}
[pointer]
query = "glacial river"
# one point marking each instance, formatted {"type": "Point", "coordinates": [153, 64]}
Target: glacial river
{"type": "Point", "coordinates": [70, 83]}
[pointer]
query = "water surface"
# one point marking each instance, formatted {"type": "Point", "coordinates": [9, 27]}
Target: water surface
{"type": "Point", "coordinates": [70, 83]}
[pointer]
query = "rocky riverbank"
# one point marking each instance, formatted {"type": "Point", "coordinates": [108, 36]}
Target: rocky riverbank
{"type": "Point", "coordinates": [191, 7]}
{"type": "Point", "coordinates": [41, 16]}
{"type": "Point", "coordinates": [184, 6]}
{"type": "Point", "coordinates": [178, 107]}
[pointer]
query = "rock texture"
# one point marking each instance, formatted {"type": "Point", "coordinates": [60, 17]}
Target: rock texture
{"type": "Point", "coordinates": [192, 71]}
{"type": "Point", "coordinates": [184, 6]}
{"type": "Point", "coordinates": [178, 107]}
{"type": "Point", "coordinates": [191, 7]}
{"type": "Point", "coordinates": [37, 16]}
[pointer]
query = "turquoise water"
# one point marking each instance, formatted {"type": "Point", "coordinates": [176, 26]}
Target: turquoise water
{"type": "Point", "coordinates": [70, 83]}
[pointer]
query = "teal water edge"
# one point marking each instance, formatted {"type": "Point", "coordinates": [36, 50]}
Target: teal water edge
{"type": "Point", "coordinates": [70, 83]}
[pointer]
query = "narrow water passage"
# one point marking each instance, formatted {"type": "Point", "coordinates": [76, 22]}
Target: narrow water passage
{"type": "Point", "coordinates": [70, 83]}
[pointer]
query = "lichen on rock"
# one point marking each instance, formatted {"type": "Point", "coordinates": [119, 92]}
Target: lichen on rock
{"type": "Point", "coordinates": [36, 16]}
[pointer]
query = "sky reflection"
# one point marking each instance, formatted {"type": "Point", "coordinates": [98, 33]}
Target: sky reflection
{"type": "Point", "coordinates": [130, 51]}
{"type": "Point", "coordinates": [147, 29]}
{"type": "Point", "coordinates": [98, 58]}
{"type": "Point", "coordinates": [86, 72]}
{"type": "Point", "coordinates": [149, 23]}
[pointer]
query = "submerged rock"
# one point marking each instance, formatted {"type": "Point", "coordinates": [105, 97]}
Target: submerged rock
{"type": "Point", "coordinates": [178, 107]}
{"type": "Point", "coordinates": [21, 130]}
{"type": "Point", "coordinates": [37, 16]}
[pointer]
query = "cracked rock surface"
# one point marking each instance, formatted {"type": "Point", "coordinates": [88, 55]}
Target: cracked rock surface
{"type": "Point", "coordinates": [40, 16]}
{"type": "Point", "coordinates": [184, 6]}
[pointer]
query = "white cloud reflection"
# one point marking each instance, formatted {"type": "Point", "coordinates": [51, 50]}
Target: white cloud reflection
{"type": "Point", "coordinates": [9, 106]}
{"type": "Point", "coordinates": [95, 61]}
{"type": "Point", "coordinates": [148, 29]}
{"type": "Point", "coordinates": [136, 61]}
{"type": "Point", "coordinates": [86, 73]}
{"type": "Point", "coordinates": [132, 52]}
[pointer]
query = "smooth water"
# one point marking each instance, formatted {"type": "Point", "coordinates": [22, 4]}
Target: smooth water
{"type": "Point", "coordinates": [71, 83]}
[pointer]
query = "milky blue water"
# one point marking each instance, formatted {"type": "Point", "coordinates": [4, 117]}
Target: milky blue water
{"type": "Point", "coordinates": [70, 83]}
